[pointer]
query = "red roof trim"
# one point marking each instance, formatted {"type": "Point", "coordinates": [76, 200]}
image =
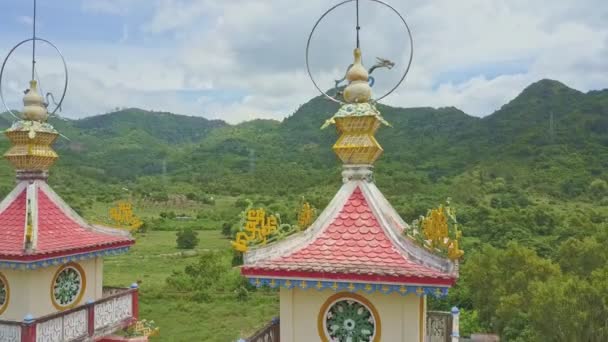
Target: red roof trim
{"type": "Point", "coordinates": [250, 271]}
{"type": "Point", "coordinates": [44, 256]}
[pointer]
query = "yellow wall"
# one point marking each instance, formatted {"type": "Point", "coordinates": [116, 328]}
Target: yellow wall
{"type": "Point", "coordinates": [399, 315]}
{"type": "Point", "coordinates": [30, 290]}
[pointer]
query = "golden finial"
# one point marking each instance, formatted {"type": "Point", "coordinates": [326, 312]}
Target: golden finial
{"type": "Point", "coordinates": [358, 89]}
{"type": "Point", "coordinates": [32, 137]}
{"type": "Point", "coordinates": [358, 119]}
{"type": "Point", "coordinates": [34, 107]}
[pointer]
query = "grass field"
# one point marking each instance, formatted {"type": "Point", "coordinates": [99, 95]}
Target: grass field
{"type": "Point", "coordinates": [222, 318]}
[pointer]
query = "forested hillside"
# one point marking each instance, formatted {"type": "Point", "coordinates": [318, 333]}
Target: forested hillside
{"type": "Point", "coordinates": [529, 183]}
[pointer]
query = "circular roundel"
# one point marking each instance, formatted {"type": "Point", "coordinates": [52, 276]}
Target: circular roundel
{"type": "Point", "coordinates": [5, 293]}
{"type": "Point", "coordinates": [68, 286]}
{"type": "Point", "coordinates": [348, 317]}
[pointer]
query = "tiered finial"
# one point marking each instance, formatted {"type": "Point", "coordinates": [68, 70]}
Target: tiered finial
{"type": "Point", "coordinates": [358, 119]}
{"type": "Point", "coordinates": [32, 137]}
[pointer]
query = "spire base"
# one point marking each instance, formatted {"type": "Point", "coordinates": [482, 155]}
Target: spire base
{"type": "Point", "coordinates": [29, 175]}
{"type": "Point", "coordinates": [355, 172]}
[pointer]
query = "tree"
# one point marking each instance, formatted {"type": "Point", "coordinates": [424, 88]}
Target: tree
{"type": "Point", "coordinates": [581, 257]}
{"type": "Point", "coordinates": [187, 238]}
{"type": "Point", "coordinates": [598, 188]}
{"type": "Point", "coordinates": [227, 230]}
{"type": "Point", "coordinates": [500, 281]}
{"type": "Point", "coordinates": [568, 308]}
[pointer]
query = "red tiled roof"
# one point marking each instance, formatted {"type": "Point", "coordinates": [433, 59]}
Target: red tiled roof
{"type": "Point", "coordinates": [353, 246]}
{"type": "Point", "coordinates": [12, 223]}
{"type": "Point", "coordinates": [58, 233]}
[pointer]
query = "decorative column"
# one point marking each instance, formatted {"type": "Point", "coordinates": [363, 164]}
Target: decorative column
{"type": "Point", "coordinates": [455, 324]}
{"type": "Point", "coordinates": [28, 329]}
{"type": "Point", "coordinates": [135, 301]}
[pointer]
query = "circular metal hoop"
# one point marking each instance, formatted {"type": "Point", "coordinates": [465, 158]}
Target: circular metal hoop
{"type": "Point", "coordinates": [65, 69]}
{"type": "Point", "coordinates": [409, 63]}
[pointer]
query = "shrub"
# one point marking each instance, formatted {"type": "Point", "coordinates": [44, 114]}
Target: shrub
{"type": "Point", "coordinates": [241, 203]}
{"type": "Point", "coordinates": [242, 294]}
{"type": "Point", "coordinates": [227, 230]}
{"type": "Point", "coordinates": [469, 322]}
{"type": "Point", "coordinates": [598, 188]}
{"type": "Point", "coordinates": [187, 238]}
{"type": "Point", "coordinates": [208, 200]}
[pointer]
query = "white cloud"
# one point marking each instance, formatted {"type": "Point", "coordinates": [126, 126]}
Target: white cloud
{"type": "Point", "coordinates": [25, 20]}
{"type": "Point", "coordinates": [474, 54]}
{"type": "Point", "coordinates": [117, 7]}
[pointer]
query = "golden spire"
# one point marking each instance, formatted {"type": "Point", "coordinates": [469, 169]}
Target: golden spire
{"type": "Point", "coordinates": [358, 119]}
{"type": "Point", "coordinates": [31, 153]}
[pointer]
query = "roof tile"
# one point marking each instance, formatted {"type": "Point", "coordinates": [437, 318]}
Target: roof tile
{"type": "Point", "coordinates": [353, 243]}
{"type": "Point", "coordinates": [57, 231]}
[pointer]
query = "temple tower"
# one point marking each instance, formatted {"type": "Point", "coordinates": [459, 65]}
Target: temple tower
{"type": "Point", "coordinates": [355, 274]}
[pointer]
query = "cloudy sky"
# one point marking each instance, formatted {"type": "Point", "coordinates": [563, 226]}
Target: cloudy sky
{"type": "Point", "coordinates": [243, 59]}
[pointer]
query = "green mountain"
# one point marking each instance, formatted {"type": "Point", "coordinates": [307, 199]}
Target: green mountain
{"type": "Point", "coordinates": [556, 132]}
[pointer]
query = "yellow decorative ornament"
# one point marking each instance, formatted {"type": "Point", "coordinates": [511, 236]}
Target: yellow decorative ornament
{"type": "Point", "coordinates": [436, 232]}
{"type": "Point", "coordinates": [258, 228]}
{"type": "Point", "coordinates": [305, 216]}
{"type": "Point", "coordinates": [146, 329]}
{"type": "Point", "coordinates": [122, 215]}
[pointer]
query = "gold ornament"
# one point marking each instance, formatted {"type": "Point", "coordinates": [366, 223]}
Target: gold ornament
{"type": "Point", "coordinates": [305, 216]}
{"type": "Point", "coordinates": [258, 228]}
{"type": "Point", "coordinates": [436, 232]}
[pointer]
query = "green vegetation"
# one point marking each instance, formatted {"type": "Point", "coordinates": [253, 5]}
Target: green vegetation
{"type": "Point", "coordinates": [529, 184]}
{"type": "Point", "coordinates": [187, 298]}
{"type": "Point", "coordinates": [187, 238]}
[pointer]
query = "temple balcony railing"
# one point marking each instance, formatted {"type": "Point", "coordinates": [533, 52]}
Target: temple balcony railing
{"type": "Point", "coordinates": [269, 333]}
{"type": "Point", "coordinates": [118, 308]}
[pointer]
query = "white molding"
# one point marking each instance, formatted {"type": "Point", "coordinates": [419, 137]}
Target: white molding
{"type": "Point", "coordinates": [12, 196]}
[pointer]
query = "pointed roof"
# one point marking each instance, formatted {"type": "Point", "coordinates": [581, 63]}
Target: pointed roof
{"type": "Point", "coordinates": [358, 238]}
{"type": "Point", "coordinates": [36, 225]}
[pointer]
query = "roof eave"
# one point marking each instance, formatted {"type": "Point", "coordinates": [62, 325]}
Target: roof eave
{"type": "Point", "coordinates": [34, 257]}
{"type": "Point", "coordinates": [251, 272]}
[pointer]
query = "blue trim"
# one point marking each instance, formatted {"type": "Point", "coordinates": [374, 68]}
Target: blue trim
{"type": "Point", "coordinates": [32, 265]}
{"type": "Point", "coordinates": [436, 291]}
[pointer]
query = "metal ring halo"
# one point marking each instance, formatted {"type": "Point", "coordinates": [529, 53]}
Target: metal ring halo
{"type": "Point", "coordinates": [65, 69]}
{"type": "Point", "coordinates": [409, 64]}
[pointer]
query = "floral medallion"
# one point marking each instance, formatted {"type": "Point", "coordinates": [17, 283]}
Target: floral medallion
{"type": "Point", "coordinates": [68, 286]}
{"type": "Point", "coordinates": [4, 293]}
{"type": "Point", "coordinates": [348, 318]}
